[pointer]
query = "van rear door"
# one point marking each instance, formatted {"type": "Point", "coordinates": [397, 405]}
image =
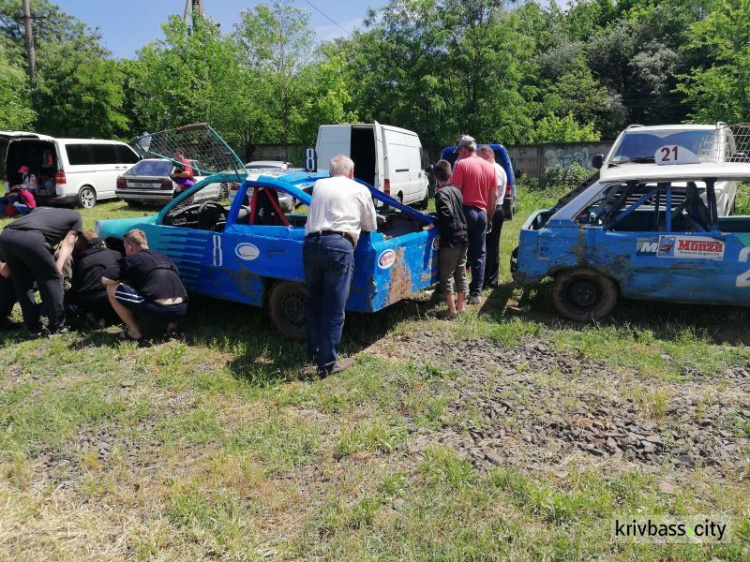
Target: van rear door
{"type": "Point", "coordinates": [332, 140]}
{"type": "Point", "coordinates": [396, 163]}
{"type": "Point", "coordinates": [380, 156]}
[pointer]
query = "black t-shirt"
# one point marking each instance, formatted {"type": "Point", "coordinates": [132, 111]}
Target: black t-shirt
{"type": "Point", "coordinates": [152, 274]}
{"type": "Point", "coordinates": [89, 266]}
{"type": "Point", "coordinates": [53, 223]}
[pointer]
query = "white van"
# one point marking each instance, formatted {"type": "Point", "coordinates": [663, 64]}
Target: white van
{"type": "Point", "coordinates": [67, 171]}
{"type": "Point", "coordinates": [388, 158]}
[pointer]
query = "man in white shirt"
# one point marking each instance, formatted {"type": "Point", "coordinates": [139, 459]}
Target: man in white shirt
{"type": "Point", "coordinates": [491, 268]}
{"type": "Point", "coordinates": [340, 209]}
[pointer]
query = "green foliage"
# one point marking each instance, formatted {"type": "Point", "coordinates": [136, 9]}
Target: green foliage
{"type": "Point", "coordinates": [566, 129]}
{"type": "Point", "coordinates": [568, 178]}
{"type": "Point", "coordinates": [17, 113]}
{"type": "Point", "coordinates": [721, 90]}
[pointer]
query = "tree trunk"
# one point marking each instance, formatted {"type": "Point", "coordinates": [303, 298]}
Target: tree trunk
{"type": "Point", "coordinates": [30, 53]}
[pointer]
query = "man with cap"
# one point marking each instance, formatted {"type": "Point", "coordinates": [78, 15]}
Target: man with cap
{"type": "Point", "coordinates": [27, 245]}
{"type": "Point", "coordinates": [476, 180]}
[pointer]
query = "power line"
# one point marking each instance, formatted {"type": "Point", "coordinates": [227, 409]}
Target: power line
{"type": "Point", "coordinates": [314, 7]}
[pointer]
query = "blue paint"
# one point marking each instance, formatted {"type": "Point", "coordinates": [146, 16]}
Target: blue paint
{"type": "Point", "coordinates": [211, 264]}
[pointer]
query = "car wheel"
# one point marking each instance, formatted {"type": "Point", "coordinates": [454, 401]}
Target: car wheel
{"type": "Point", "coordinates": [583, 294]}
{"type": "Point", "coordinates": [134, 204]}
{"type": "Point", "coordinates": [286, 306]}
{"type": "Point", "coordinates": [87, 197]}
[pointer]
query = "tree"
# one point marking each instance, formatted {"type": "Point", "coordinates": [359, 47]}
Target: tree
{"type": "Point", "coordinates": [277, 42]}
{"type": "Point", "coordinates": [15, 98]}
{"type": "Point", "coordinates": [721, 90]}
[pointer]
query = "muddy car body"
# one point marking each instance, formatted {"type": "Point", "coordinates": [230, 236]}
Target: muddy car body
{"type": "Point", "coordinates": [643, 233]}
{"type": "Point", "coordinates": [250, 251]}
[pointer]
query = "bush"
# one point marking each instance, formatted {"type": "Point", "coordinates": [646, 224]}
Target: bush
{"type": "Point", "coordinates": [569, 177]}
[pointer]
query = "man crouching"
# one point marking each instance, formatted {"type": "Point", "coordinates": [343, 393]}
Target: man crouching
{"type": "Point", "coordinates": [153, 290]}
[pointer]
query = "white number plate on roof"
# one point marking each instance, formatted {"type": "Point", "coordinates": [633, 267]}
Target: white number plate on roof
{"type": "Point", "coordinates": [675, 154]}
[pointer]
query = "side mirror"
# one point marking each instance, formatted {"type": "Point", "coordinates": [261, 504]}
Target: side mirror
{"type": "Point", "coordinates": [597, 161]}
{"type": "Point", "coordinates": [430, 168]}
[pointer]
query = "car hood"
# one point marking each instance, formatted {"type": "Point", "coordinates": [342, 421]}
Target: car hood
{"type": "Point", "coordinates": [116, 228]}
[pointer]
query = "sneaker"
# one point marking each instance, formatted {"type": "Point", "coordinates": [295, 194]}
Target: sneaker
{"type": "Point", "coordinates": [473, 299]}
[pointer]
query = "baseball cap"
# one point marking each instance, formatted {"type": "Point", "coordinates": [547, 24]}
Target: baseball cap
{"type": "Point", "coordinates": [466, 141]}
{"type": "Point", "coordinates": [23, 169]}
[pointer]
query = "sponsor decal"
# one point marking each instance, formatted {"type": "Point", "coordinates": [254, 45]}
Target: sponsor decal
{"type": "Point", "coordinates": [647, 246]}
{"type": "Point", "coordinates": [247, 251]}
{"type": "Point", "coordinates": [386, 259]}
{"type": "Point", "coordinates": [690, 247]}
{"type": "Point", "coordinates": [436, 242]}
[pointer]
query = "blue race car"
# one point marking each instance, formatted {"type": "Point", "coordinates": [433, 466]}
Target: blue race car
{"type": "Point", "coordinates": [644, 232]}
{"type": "Point", "coordinates": [248, 250]}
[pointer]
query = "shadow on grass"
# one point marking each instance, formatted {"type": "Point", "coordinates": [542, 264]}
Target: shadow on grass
{"type": "Point", "coordinates": [261, 354]}
{"type": "Point", "coordinates": [668, 321]}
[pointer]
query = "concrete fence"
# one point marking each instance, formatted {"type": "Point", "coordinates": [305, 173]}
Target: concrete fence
{"type": "Point", "coordinates": [531, 160]}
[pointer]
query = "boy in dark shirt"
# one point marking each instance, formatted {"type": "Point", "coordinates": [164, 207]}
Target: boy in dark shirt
{"type": "Point", "coordinates": [454, 239]}
{"type": "Point", "coordinates": [154, 287]}
{"type": "Point", "coordinates": [87, 295]}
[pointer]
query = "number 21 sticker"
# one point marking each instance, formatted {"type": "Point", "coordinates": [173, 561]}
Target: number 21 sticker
{"type": "Point", "coordinates": [675, 154]}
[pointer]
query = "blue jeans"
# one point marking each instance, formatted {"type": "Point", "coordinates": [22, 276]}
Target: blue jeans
{"type": "Point", "coordinates": [329, 266]}
{"type": "Point", "coordinates": [476, 221]}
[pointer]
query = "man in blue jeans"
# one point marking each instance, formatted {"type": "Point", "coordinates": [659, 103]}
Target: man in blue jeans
{"type": "Point", "coordinates": [340, 209]}
{"type": "Point", "coordinates": [476, 180]}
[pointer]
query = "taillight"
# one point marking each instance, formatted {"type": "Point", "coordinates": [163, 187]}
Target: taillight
{"type": "Point", "coordinates": [387, 187]}
{"type": "Point", "coordinates": [509, 190]}
{"type": "Point", "coordinates": [121, 184]}
{"type": "Point", "coordinates": [167, 184]}
{"type": "Point", "coordinates": [60, 178]}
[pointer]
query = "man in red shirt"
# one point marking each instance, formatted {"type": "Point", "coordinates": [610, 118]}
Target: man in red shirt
{"type": "Point", "coordinates": [477, 181]}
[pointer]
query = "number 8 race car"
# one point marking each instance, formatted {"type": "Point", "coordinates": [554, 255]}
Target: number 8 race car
{"type": "Point", "coordinates": [248, 250]}
{"type": "Point", "coordinates": [644, 232]}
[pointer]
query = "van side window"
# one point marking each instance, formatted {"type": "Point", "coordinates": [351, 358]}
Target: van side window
{"type": "Point", "coordinates": [125, 155]}
{"type": "Point", "coordinates": [79, 154]}
{"type": "Point", "coordinates": [104, 154]}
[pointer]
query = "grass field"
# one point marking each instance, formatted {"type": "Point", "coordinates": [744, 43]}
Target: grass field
{"type": "Point", "coordinates": [487, 438]}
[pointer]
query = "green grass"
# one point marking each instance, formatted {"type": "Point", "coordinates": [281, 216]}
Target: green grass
{"type": "Point", "coordinates": [219, 446]}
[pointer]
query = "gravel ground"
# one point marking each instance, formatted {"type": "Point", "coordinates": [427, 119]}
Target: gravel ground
{"type": "Point", "coordinates": [537, 409]}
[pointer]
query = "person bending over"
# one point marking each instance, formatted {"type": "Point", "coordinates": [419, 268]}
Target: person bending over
{"type": "Point", "coordinates": [28, 246]}
{"type": "Point", "coordinates": [144, 284]}
{"type": "Point", "coordinates": [340, 209]}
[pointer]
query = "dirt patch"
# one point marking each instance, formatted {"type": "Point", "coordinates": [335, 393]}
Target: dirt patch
{"type": "Point", "coordinates": [536, 408]}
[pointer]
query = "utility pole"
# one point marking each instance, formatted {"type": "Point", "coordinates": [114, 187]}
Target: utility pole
{"type": "Point", "coordinates": [30, 54]}
{"type": "Point", "coordinates": [192, 7]}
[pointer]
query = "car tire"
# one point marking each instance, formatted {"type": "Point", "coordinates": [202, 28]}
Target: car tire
{"type": "Point", "coordinates": [134, 204]}
{"type": "Point", "coordinates": [286, 305]}
{"type": "Point", "coordinates": [583, 294]}
{"type": "Point", "coordinates": [87, 197]}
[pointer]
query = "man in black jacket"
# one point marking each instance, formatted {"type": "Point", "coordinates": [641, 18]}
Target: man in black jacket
{"type": "Point", "coordinates": [454, 240]}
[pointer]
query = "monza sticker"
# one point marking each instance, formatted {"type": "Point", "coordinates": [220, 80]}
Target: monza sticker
{"type": "Point", "coordinates": [690, 247]}
{"type": "Point", "coordinates": [647, 246]}
{"type": "Point", "coordinates": [247, 251]}
{"type": "Point", "coordinates": [386, 259]}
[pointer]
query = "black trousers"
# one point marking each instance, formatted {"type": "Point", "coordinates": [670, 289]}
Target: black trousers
{"type": "Point", "coordinates": [7, 297]}
{"type": "Point", "coordinates": [30, 259]}
{"type": "Point", "coordinates": [492, 265]}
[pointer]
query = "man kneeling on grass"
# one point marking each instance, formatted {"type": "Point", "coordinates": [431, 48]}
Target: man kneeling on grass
{"type": "Point", "coordinates": [153, 288]}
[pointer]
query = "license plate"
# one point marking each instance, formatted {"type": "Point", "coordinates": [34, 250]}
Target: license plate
{"type": "Point", "coordinates": [144, 184]}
